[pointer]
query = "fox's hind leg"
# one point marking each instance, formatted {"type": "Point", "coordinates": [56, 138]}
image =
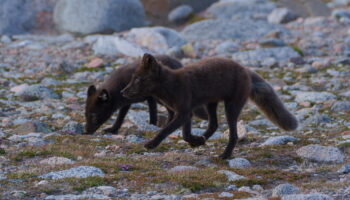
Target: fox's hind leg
{"type": "Point", "coordinates": [213, 120]}
{"type": "Point", "coordinates": [232, 110]}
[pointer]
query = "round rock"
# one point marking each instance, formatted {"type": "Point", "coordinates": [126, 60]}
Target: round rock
{"type": "Point", "coordinates": [180, 14]}
{"type": "Point", "coordinates": [285, 189]}
{"type": "Point", "coordinates": [239, 163]}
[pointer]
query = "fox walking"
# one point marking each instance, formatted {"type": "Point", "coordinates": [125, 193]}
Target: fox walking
{"type": "Point", "coordinates": [206, 82]}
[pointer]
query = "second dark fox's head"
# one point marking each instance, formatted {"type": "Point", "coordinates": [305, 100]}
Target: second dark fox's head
{"type": "Point", "coordinates": [98, 109]}
{"type": "Point", "coordinates": [145, 79]}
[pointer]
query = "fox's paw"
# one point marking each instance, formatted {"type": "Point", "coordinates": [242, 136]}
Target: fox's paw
{"type": "Point", "coordinates": [225, 156]}
{"type": "Point", "coordinates": [197, 141]}
{"type": "Point", "coordinates": [151, 144]}
{"type": "Point", "coordinates": [110, 130]}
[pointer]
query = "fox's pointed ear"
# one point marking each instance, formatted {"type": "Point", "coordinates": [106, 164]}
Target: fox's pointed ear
{"type": "Point", "coordinates": [150, 64]}
{"type": "Point", "coordinates": [148, 60]}
{"type": "Point", "coordinates": [104, 96]}
{"type": "Point", "coordinates": [91, 90]}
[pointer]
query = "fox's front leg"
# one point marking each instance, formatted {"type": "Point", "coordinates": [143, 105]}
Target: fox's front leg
{"type": "Point", "coordinates": [120, 119]}
{"type": "Point", "coordinates": [193, 140]}
{"type": "Point", "coordinates": [178, 120]}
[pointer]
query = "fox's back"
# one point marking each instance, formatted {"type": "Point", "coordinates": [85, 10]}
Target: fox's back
{"type": "Point", "coordinates": [216, 78]}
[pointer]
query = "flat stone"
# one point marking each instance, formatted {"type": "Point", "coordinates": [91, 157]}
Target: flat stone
{"type": "Point", "coordinates": [279, 140]}
{"type": "Point", "coordinates": [157, 39]}
{"type": "Point", "coordinates": [231, 176]}
{"type": "Point", "coordinates": [313, 96]}
{"type": "Point", "coordinates": [56, 161]}
{"type": "Point", "coordinates": [341, 106]}
{"type": "Point", "coordinates": [36, 92]}
{"type": "Point", "coordinates": [76, 197]}
{"type": "Point", "coordinates": [314, 196]}
{"type": "Point", "coordinates": [225, 195]}
{"type": "Point", "coordinates": [241, 30]}
{"type": "Point", "coordinates": [241, 9]}
{"type": "Point", "coordinates": [114, 45]}
{"type": "Point", "coordinates": [345, 169]}
{"type": "Point", "coordinates": [76, 172]}
{"type": "Point", "coordinates": [182, 168]}
{"type": "Point", "coordinates": [255, 57]}
{"type": "Point", "coordinates": [318, 153]}
{"type": "Point", "coordinates": [32, 127]}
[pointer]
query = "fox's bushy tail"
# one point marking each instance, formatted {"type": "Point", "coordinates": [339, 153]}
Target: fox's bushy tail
{"type": "Point", "coordinates": [263, 95]}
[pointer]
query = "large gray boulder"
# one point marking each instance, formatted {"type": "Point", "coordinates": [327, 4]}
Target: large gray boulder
{"type": "Point", "coordinates": [98, 16]}
{"type": "Point", "coordinates": [241, 9]}
{"type": "Point", "coordinates": [15, 16]}
{"type": "Point", "coordinates": [22, 16]}
{"type": "Point", "coordinates": [221, 29]}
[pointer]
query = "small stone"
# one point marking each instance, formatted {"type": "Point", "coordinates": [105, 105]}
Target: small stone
{"type": "Point", "coordinates": [227, 47]}
{"type": "Point", "coordinates": [19, 88]}
{"type": "Point", "coordinates": [180, 14]}
{"type": "Point", "coordinates": [36, 92]}
{"type": "Point", "coordinates": [5, 39]}
{"type": "Point", "coordinates": [73, 127]}
{"type": "Point", "coordinates": [134, 139]}
{"type": "Point", "coordinates": [239, 163]}
{"type": "Point", "coordinates": [76, 172]}
{"type": "Point", "coordinates": [41, 183]}
{"type": "Point", "coordinates": [95, 63]}
{"type": "Point", "coordinates": [182, 168]}
{"type": "Point", "coordinates": [104, 190]}
{"type": "Point", "coordinates": [18, 193]}
{"type": "Point", "coordinates": [341, 106]}
{"type": "Point", "coordinates": [281, 16]}
{"type": "Point", "coordinates": [231, 188]}
{"type": "Point", "coordinates": [231, 176]}
{"type": "Point", "coordinates": [313, 96]}
{"type": "Point", "coordinates": [272, 42]}
{"type": "Point", "coordinates": [258, 188]}
{"type": "Point", "coordinates": [32, 127]}
{"type": "Point", "coordinates": [56, 161]}
{"type": "Point", "coordinates": [285, 189]}
{"type": "Point", "coordinates": [279, 140]}
{"type": "Point", "coordinates": [318, 153]}
{"type": "Point", "coordinates": [345, 169]}
{"type": "Point", "coordinates": [225, 195]}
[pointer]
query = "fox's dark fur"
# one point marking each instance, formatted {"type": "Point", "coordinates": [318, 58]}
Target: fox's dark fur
{"type": "Point", "coordinates": [208, 82]}
{"type": "Point", "coordinates": [101, 103]}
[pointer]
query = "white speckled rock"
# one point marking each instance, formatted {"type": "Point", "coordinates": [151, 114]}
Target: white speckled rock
{"type": "Point", "coordinates": [76, 172]}
{"type": "Point", "coordinates": [320, 153]}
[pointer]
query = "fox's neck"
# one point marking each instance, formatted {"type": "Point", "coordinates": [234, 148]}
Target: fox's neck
{"type": "Point", "coordinates": [167, 86]}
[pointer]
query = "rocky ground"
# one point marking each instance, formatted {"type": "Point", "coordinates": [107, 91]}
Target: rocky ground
{"type": "Point", "coordinates": [44, 79]}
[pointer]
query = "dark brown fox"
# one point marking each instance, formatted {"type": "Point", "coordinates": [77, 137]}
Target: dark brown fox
{"type": "Point", "coordinates": [208, 82]}
{"type": "Point", "coordinates": [101, 103]}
